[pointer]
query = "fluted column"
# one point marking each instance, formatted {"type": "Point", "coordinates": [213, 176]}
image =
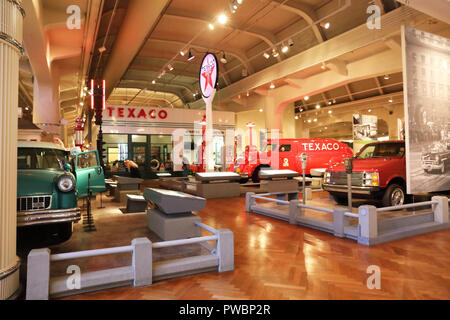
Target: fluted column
{"type": "Point", "coordinates": [10, 50]}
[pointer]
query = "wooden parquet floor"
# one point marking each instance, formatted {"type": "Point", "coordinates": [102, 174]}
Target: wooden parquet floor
{"type": "Point", "coordinates": [275, 260]}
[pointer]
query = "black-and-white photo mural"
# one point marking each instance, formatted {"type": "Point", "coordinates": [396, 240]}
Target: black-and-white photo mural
{"type": "Point", "coordinates": [426, 74]}
{"type": "Point", "coordinates": [364, 127]}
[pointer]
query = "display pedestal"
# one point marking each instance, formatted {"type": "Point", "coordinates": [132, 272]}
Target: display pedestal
{"type": "Point", "coordinates": [172, 217]}
{"type": "Point", "coordinates": [211, 185]}
{"type": "Point", "coordinates": [173, 183]}
{"type": "Point", "coordinates": [173, 226]}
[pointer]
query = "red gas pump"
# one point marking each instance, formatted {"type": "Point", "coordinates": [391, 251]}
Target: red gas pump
{"type": "Point", "coordinates": [79, 127]}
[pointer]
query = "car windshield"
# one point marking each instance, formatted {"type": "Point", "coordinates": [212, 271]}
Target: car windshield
{"type": "Point", "coordinates": [382, 150]}
{"type": "Point", "coordinates": [40, 158]}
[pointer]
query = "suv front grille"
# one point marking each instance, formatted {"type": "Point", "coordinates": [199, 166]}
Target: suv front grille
{"type": "Point", "coordinates": [34, 203]}
{"type": "Point", "coordinates": [340, 178]}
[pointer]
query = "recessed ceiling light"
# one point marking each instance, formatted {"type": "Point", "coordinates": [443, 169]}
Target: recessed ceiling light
{"type": "Point", "coordinates": [211, 26]}
{"type": "Point", "coordinates": [223, 59]}
{"type": "Point", "coordinates": [317, 106]}
{"type": "Point", "coordinates": [266, 55]}
{"type": "Point", "coordinates": [284, 49]}
{"type": "Point", "coordinates": [260, 110]}
{"type": "Point", "coordinates": [386, 77]}
{"type": "Point", "coordinates": [272, 86]}
{"type": "Point", "coordinates": [296, 117]}
{"type": "Point", "coordinates": [153, 81]}
{"type": "Point", "coordinates": [222, 18]}
{"type": "Point", "coordinates": [309, 120]}
{"type": "Point", "coordinates": [306, 98]}
{"type": "Point", "coordinates": [330, 111]}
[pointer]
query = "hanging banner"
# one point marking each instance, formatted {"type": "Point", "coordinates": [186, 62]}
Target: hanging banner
{"type": "Point", "coordinates": [209, 71]}
{"type": "Point", "coordinates": [426, 74]}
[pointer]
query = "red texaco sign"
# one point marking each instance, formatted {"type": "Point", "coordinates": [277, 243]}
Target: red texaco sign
{"type": "Point", "coordinates": [208, 74]}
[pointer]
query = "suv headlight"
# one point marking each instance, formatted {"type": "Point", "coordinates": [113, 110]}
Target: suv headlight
{"type": "Point", "coordinates": [371, 179]}
{"type": "Point", "coordinates": [65, 183]}
{"type": "Point", "coordinates": [327, 177]}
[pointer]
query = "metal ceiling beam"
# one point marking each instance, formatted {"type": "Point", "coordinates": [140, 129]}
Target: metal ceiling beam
{"type": "Point", "coordinates": [264, 35]}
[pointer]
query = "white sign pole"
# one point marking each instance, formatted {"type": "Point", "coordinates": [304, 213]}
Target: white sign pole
{"type": "Point", "coordinates": [208, 80]}
{"type": "Point", "coordinates": [208, 156]}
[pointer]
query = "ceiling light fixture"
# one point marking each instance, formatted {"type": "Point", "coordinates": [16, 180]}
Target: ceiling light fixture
{"type": "Point", "coordinates": [329, 102]}
{"type": "Point", "coordinates": [306, 98]}
{"type": "Point", "coordinates": [211, 26]}
{"type": "Point", "coordinates": [315, 119]}
{"type": "Point", "coordinates": [266, 55]}
{"type": "Point", "coordinates": [260, 110]}
{"type": "Point", "coordinates": [190, 56]}
{"type": "Point", "coordinates": [183, 52]}
{"type": "Point", "coordinates": [330, 111]}
{"type": "Point", "coordinates": [370, 110]}
{"type": "Point", "coordinates": [275, 53]}
{"type": "Point", "coordinates": [222, 18]}
{"type": "Point", "coordinates": [272, 86]}
{"type": "Point", "coordinates": [323, 67]}
{"type": "Point", "coordinates": [223, 59]}
{"type": "Point", "coordinates": [386, 77]}
{"type": "Point", "coordinates": [153, 81]}
{"type": "Point", "coordinates": [290, 42]}
{"type": "Point", "coordinates": [317, 106]}
{"type": "Point", "coordinates": [284, 48]}
{"type": "Point", "coordinates": [170, 67]}
{"type": "Point", "coordinates": [248, 93]}
{"type": "Point", "coordinates": [309, 120]}
{"type": "Point", "coordinates": [325, 25]}
{"type": "Point", "coordinates": [296, 117]}
{"type": "Point", "coordinates": [390, 100]}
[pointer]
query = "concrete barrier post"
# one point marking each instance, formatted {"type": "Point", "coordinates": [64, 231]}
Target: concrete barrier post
{"type": "Point", "coordinates": [249, 201]}
{"type": "Point", "coordinates": [293, 211]}
{"type": "Point", "coordinates": [308, 194]}
{"type": "Point", "coordinates": [142, 262]}
{"type": "Point", "coordinates": [38, 274]}
{"type": "Point", "coordinates": [368, 223]}
{"type": "Point", "coordinates": [225, 250]}
{"type": "Point", "coordinates": [440, 209]}
{"type": "Point", "coordinates": [338, 222]}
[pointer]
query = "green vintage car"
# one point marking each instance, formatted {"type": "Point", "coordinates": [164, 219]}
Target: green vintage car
{"type": "Point", "coordinates": [48, 187]}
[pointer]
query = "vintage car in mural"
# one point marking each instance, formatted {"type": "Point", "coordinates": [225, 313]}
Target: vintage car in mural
{"type": "Point", "coordinates": [48, 187]}
{"type": "Point", "coordinates": [321, 154]}
{"type": "Point", "coordinates": [379, 172]}
{"type": "Point", "coordinates": [437, 157]}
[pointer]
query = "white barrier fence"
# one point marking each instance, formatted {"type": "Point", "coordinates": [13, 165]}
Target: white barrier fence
{"type": "Point", "coordinates": [369, 229]}
{"type": "Point", "coordinates": [142, 272]}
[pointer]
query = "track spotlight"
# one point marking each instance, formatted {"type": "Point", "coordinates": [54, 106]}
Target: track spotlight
{"type": "Point", "coordinates": [170, 67]}
{"type": "Point", "coordinates": [183, 52]}
{"type": "Point", "coordinates": [244, 72]}
{"type": "Point", "coordinates": [223, 59]}
{"type": "Point", "coordinates": [284, 48]}
{"type": "Point", "coordinates": [153, 81]}
{"type": "Point", "coordinates": [317, 106]}
{"type": "Point", "coordinates": [290, 42]}
{"type": "Point", "coordinates": [266, 55]}
{"type": "Point", "coordinates": [211, 26]}
{"type": "Point", "coordinates": [190, 56]}
{"type": "Point", "coordinates": [325, 25]}
{"type": "Point", "coordinates": [275, 53]}
{"type": "Point", "coordinates": [306, 98]}
{"type": "Point", "coordinates": [272, 86]}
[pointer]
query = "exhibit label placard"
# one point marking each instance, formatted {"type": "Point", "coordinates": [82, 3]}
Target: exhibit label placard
{"type": "Point", "coordinates": [426, 74]}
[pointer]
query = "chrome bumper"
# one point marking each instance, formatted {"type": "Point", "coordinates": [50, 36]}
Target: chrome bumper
{"type": "Point", "coordinates": [432, 166]}
{"type": "Point", "coordinates": [355, 189]}
{"type": "Point", "coordinates": [30, 218]}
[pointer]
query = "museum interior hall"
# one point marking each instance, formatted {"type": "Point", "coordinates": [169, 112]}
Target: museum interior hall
{"type": "Point", "coordinates": [224, 150]}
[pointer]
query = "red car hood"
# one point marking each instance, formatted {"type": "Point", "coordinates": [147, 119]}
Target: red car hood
{"type": "Point", "coordinates": [369, 165]}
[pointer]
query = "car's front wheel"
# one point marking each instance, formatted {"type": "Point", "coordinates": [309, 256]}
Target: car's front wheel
{"type": "Point", "coordinates": [394, 195]}
{"type": "Point", "coordinates": [64, 231]}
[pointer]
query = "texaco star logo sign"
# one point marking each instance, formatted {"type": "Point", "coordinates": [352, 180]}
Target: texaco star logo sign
{"type": "Point", "coordinates": [208, 74]}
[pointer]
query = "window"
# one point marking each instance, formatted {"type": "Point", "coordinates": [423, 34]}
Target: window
{"type": "Point", "coordinates": [41, 158]}
{"type": "Point", "coordinates": [285, 148]}
{"type": "Point", "coordinates": [87, 160]}
{"type": "Point", "coordinates": [382, 150]}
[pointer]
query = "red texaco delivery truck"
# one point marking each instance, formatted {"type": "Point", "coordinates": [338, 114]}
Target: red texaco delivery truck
{"type": "Point", "coordinates": [321, 153]}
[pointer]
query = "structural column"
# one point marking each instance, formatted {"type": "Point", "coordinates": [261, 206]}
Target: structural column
{"type": "Point", "coordinates": [10, 51]}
